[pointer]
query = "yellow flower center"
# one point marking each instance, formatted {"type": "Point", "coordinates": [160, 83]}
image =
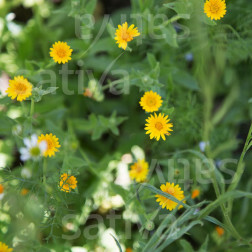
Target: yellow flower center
{"type": "Point", "coordinates": [171, 190]}
{"type": "Point", "coordinates": [61, 53]}
{"type": "Point", "coordinates": [20, 88]}
{"type": "Point", "coordinates": [126, 36]}
{"type": "Point", "coordinates": [214, 8]}
{"type": "Point", "coordinates": [49, 144]}
{"type": "Point", "coordinates": [151, 102]}
{"type": "Point", "coordinates": [139, 168]}
{"type": "Point", "coordinates": [159, 126]}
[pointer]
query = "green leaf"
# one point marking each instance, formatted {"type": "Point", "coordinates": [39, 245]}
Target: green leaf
{"type": "Point", "coordinates": [152, 60]}
{"type": "Point", "coordinates": [222, 199]}
{"type": "Point", "coordinates": [73, 162]}
{"type": "Point", "coordinates": [6, 124]}
{"type": "Point", "coordinates": [185, 79]}
{"type": "Point", "coordinates": [181, 7]}
{"type": "Point", "coordinates": [186, 246]}
{"type": "Point", "coordinates": [170, 35]}
{"type": "Point", "coordinates": [38, 92]}
{"type": "Point", "coordinates": [177, 234]}
{"type": "Point", "coordinates": [203, 248]}
{"type": "Point", "coordinates": [111, 30]}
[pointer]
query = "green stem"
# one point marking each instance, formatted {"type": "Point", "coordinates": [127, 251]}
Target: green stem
{"type": "Point", "coordinates": [23, 107]}
{"type": "Point", "coordinates": [32, 108]}
{"type": "Point", "coordinates": [240, 169]}
{"type": "Point", "coordinates": [44, 170]}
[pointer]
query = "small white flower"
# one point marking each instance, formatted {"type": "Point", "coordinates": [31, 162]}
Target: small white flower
{"type": "Point", "coordinates": [33, 149]}
{"type": "Point", "coordinates": [1, 196]}
{"type": "Point", "coordinates": [26, 173]}
{"type": "Point", "coordinates": [123, 178]}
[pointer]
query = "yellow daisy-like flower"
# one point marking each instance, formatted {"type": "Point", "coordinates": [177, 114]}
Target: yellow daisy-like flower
{"type": "Point", "coordinates": [139, 171]}
{"type": "Point", "coordinates": [158, 126]}
{"type": "Point", "coordinates": [52, 144]}
{"type": "Point", "coordinates": [125, 34]}
{"type": "Point", "coordinates": [151, 101]}
{"type": "Point", "coordinates": [5, 248]}
{"type": "Point", "coordinates": [173, 190]}
{"type": "Point", "coordinates": [67, 183]}
{"type": "Point", "coordinates": [19, 88]}
{"type": "Point", "coordinates": [195, 193]}
{"type": "Point", "coordinates": [61, 52]}
{"type": "Point", "coordinates": [215, 9]}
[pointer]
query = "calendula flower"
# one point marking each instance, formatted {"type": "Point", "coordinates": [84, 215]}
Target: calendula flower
{"type": "Point", "coordinates": [139, 171]}
{"type": "Point", "coordinates": [215, 9]}
{"type": "Point", "coordinates": [220, 231]}
{"type": "Point", "coordinates": [125, 34]}
{"type": "Point", "coordinates": [34, 149]}
{"type": "Point", "coordinates": [5, 248]}
{"type": "Point", "coordinates": [24, 191]}
{"type": "Point", "coordinates": [195, 193]}
{"type": "Point", "coordinates": [52, 144]}
{"type": "Point", "coordinates": [173, 190]}
{"type": "Point", "coordinates": [158, 126]}
{"type": "Point", "coordinates": [19, 88]}
{"type": "Point", "coordinates": [67, 183]}
{"type": "Point", "coordinates": [151, 101]}
{"type": "Point", "coordinates": [61, 52]}
{"type": "Point", "coordinates": [1, 192]}
{"type": "Point", "coordinates": [129, 250]}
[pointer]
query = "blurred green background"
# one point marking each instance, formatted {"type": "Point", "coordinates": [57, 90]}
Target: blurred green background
{"type": "Point", "coordinates": [202, 70]}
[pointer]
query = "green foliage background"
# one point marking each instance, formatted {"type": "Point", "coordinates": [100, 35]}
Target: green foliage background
{"type": "Point", "coordinates": [201, 68]}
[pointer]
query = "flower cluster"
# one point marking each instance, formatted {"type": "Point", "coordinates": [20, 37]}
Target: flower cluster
{"type": "Point", "coordinates": [157, 125]}
{"type": "Point", "coordinates": [67, 183]}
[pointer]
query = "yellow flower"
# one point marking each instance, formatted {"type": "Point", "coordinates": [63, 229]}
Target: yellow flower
{"type": "Point", "coordinates": [173, 190]}
{"type": "Point", "coordinates": [125, 34]}
{"type": "Point", "coordinates": [139, 170]}
{"type": "Point", "coordinates": [61, 52]}
{"type": "Point", "coordinates": [4, 248]}
{"type": "Point", "coordinates": [52, 144]}
{"type": "Point", "coordinates": [67, 182]}
{"type": "Point", "coordinates": [23, 192]}
{"type": "Point", "coordinates": [195, 193]}
{"type": "Point", "coordinates": [220, 231]}
{"type": "Point", "coordinates": [151, 101]}
{"type": "Point", "coordinates": [158, 126]}
{"type": "Point", "coordinates": [215, 9]}
{"type": "Point", "coordinates": [19, 88]}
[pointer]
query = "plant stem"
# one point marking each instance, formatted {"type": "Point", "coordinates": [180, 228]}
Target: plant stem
{"type": "Point", "coordinates": [32, 108]}
{"type": "Point", "coordinates": [44, 170]}
{"type": "Point", "coordinates": [23, 107]}
{"type": "Point", "coordinates": [240, 169]}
